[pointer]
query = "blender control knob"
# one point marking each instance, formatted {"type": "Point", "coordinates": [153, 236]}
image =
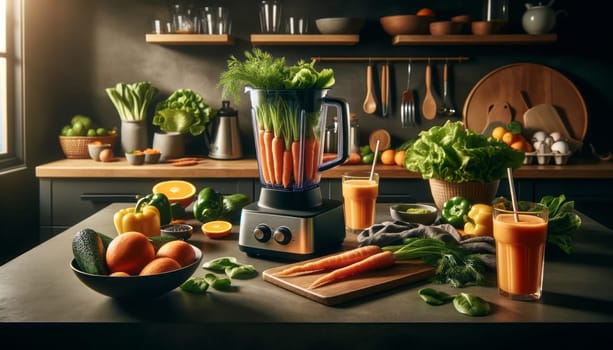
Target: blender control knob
{"type": "Point", "coordinates": [262, 233]}
{"type": "Point", "coordinates": [282, 235]}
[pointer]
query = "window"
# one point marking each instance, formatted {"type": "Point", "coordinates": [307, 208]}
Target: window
{"type": "Point", "coordinates": [11, 118]}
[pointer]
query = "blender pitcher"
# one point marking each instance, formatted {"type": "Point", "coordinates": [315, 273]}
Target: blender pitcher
{"type": "Point", "coordinates": [288, 131]}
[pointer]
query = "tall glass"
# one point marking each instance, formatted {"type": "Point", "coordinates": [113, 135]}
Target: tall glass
{"type": "Point", "coordinates": [270, 16]}
{"type": "Point", "coordinates": [359, 200]}
{"type": "Point", "coordinates": [520, 249]}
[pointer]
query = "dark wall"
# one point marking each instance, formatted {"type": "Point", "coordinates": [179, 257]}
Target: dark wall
{"type": "Point", "coordinates": [74, 49]}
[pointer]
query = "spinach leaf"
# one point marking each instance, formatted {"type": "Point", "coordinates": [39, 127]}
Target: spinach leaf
{"type": "Point", "coordinates": [471, 305]}
{"type": "Point", "coordinates": [434, 297]}
{"type": "Point", "coordinates": [195, 285]}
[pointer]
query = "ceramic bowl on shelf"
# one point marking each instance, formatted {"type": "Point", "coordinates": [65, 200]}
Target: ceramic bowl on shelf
{"type": "Point", "coordinates": [137, 287]}
{"type": "Point", "coordinates": [95, 148]}
{"type": "Point", "coordinates": [406, 24]}
{"type": "Point", "coordinates": [419, 213]}
{"type": "Point", "coordinates": [445, 28]}
{"type": "Point", "coordinates": [135, 158]}
{"type": "Point", "coordinates": [152, 158]}
{"type": "Point", "coordinates": [339, 25]}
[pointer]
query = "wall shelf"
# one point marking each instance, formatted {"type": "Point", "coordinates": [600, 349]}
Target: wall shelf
{"type": "Point", "coordinates": [305, 39]}
{"type": "Point", "coordinates": [190, 39]}
{"type": "Point", "coordinates": [497, 39]}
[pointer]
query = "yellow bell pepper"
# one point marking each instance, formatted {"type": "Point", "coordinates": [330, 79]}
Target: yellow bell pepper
{"type": "Point", "coordinates": [147, 221]}
{"type": "Point", "coordinates": [479, 221]}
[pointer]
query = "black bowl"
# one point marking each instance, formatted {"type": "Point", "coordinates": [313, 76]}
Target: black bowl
{"type": "Point", "coordinates": [131, 287]}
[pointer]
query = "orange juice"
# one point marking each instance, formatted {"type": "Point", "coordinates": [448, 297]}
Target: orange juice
{"type": "Point", "coordinates": [520, 254]}
{"type": "Point", "coordinates": [359, 199]}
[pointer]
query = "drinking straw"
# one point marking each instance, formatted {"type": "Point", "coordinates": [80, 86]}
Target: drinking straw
{"type": "Point", "coordinates": [513, 195]}
{"type": "Point", "coordinates": [374, 161]}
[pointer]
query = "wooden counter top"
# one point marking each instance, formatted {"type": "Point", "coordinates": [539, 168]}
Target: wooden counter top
{"type": "Point", "coordinates": [247, 168]}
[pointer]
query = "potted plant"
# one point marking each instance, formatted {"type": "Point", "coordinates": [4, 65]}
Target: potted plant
{"type": "Point", "coordinates": [183, 112]}
{"type": "Point", "coordinates": [458, 161]}
{"type": "Point", "coordinates": [131, 101]}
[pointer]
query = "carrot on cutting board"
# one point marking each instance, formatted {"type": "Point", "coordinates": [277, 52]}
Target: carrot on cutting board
{"type": "Point", "coordinates": [374, 262]}
{"type": "Point", "coordinates": [332, 262]}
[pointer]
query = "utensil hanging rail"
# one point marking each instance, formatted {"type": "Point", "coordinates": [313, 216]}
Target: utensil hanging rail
{"type": "Point", "coordinates": [391, 59]}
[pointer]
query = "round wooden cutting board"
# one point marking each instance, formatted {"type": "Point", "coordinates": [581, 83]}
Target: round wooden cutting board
{"type": "Point", "coordinates": [539, 84]}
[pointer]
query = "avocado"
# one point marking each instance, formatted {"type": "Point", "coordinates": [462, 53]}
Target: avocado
{"type": "Point", "coordinates": [89, 250]}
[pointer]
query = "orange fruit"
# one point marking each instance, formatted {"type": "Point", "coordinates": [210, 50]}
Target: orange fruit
{"type": "Point", "coordinates": [498, 132]}
{"type": "Point", "coordinates": [425, 12]}
{"type": "Point", "coordinates": [518, 145]}
{"type": "Point", "coordinates": [181, 251]}
{"type": "Point", "coordinates": [177, 191]}
{"type": "Point", "coordinates": [399, 158]}
{"type": "Point", "coordinates": [387, 157]}
{"type": "Point", "coordinates": [119, 274]}
{"type": "Point", "coordinates": [129, 252]}
{"type": "Point", "coordinates": [509, 138]}
{"type": "Point", "coordinates": [217, 228]}
{"type": "Point", "coordinates": [159, 265]}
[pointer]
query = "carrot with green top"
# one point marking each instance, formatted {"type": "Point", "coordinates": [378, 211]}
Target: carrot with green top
{"type": "Point", "coordinates": [332, 262]}
{"type": "Point", "coordinates": [263, 159]}
{"type": "Point", "coordinates": [378, 261]}
{"type": "Point", "coordinates": [296, 163]}
{"type": "Point", "coordinates": [268, 137]}
{"type": "Point", "coordinates": [287, 168]}
{"type": "Point", "coordinates": [277, 158]}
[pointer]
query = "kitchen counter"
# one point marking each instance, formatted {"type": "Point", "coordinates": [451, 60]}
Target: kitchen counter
{"type": "Point", "coordinates": [247, 168]}
{"type": "Point", "coordinates": [41, 301]}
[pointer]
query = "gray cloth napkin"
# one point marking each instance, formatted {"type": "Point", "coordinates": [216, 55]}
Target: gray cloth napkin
{"type": "Point", "coordinates": [393, 232]}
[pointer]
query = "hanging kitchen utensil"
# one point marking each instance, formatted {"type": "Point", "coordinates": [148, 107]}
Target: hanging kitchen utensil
{"type": "Point", "coordinates": [447, 108]}
{"type": "Point", "coordinates": [370, 103]}
{"type": "Point", "coordinates": [428, 107]}
{"type": "Point", "coordinates": [385, 89]}
{"type": "Point", "coordinates": [407, 107]}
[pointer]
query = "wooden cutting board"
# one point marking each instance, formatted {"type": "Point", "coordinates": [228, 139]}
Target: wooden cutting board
{"type": "Point", "coordinates": [540, 84]}
{"type": "Point", "coordinates": [401, 273]}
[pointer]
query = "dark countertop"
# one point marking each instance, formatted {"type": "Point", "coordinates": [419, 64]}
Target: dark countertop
{"type": "Point", "coordinates": [39, 294]}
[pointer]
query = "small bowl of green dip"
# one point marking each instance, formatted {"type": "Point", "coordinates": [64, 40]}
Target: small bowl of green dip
{"type": "Point", "coordinates": [419, 213]}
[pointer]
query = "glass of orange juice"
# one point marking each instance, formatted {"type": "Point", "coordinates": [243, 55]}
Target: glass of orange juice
{"type": "Point", "coordinates": [359, 200]}
{"type": "Point", "coordinates": [520, 249]}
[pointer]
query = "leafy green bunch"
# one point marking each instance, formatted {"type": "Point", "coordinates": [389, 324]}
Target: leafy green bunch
{"type": "Point", "coordinates": [261, 70]}
{"type": "Point", "coordinates": [454, 154]}
{"type": "Point", "coordinates": [183, 111]}
{"type": "Point", "coordinates": [132, 99]}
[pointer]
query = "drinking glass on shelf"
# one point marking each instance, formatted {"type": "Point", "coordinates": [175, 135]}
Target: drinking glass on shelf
{"type": "Point", "coordinates": [270, 16]}
{"type": "Point", "coordinates": [296, 25]}
{"type": "Point", "coordinates": [216, 20]}
{"type": "Point", "coordinates": [181, 21]}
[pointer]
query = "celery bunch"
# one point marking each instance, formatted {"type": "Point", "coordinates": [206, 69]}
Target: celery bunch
{"type": "Point", "coordinates": [132, 99]}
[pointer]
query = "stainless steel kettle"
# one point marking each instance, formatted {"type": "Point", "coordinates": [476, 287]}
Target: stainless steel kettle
{"type": "Point", "coordinates": [224, 140]}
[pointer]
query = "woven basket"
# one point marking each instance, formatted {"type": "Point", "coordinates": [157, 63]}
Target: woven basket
{"type": "Point", "coordinates": [477, 192]}
{"type": "Point", "coordinates": [75, 147]}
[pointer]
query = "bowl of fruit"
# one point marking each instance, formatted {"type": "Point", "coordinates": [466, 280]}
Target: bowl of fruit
{"type": "Point", "coordinates": [132, 265]}
{"type": "Point", "coordinates": [76, 136]}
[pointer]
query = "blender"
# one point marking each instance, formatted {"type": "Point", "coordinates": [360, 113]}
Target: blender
{"type": "Point", "coordinates": [291, 220]}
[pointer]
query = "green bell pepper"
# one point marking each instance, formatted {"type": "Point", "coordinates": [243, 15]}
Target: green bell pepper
{"type": "Point", "coordinates": [455, 209]}
{"type": "Point", "coordinates": [233, 205]}
{"type": "Point", "coordinates": [158, 200]}
{"type": "Point", "coordinates": [208, 206]}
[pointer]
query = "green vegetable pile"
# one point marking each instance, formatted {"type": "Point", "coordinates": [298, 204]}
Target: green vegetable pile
{"type": "Point", "coordinates": [262, 71]}
{"type": "Point", "coordinates": [132, 99]}
{"type": "Point", "coordinates": [454, 154]}
{"type": "Point", "coordinates": [228, 265]}
{"type": "Point", "coordinates": [82, 125]}
{"type": "Point", "coordinates": [563, 222]}
{"type": "Point", "coordinates": [183, 111]}
{"type": "Point", "coordinates": [454, 265]}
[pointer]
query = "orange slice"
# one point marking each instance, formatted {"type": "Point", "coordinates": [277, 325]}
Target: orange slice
{"type": "Point", "coordinates": [177, 191]}
{"type": "Point", "coordinates": [217, 228]}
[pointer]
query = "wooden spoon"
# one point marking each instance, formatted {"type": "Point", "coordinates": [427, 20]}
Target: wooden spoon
{"type": "Point", "coordinates": [370, 103]}
{"type": "Point", "coordinates": [428, 107]}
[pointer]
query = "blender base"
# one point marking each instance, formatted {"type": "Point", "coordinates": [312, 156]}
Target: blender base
{"type": "Point", "coordinates": [292, 234]}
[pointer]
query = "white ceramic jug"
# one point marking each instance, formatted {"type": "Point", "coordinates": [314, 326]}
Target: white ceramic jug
{"type": "Point", "coordinates": [540, 19]}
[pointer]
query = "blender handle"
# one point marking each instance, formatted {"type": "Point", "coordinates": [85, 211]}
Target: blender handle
{"type": "Point", "coordinates": [343, 133]}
